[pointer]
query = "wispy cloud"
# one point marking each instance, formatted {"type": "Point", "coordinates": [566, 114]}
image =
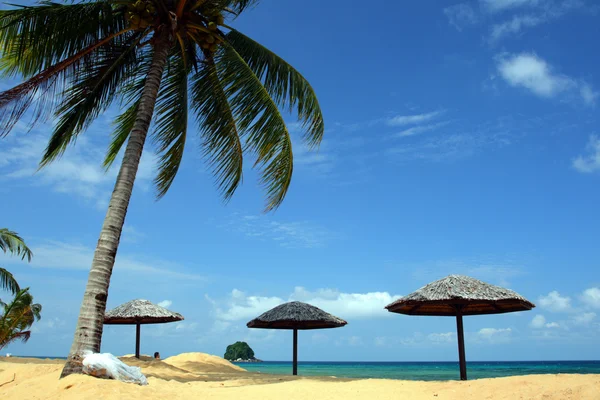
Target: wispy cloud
{"type": "Point", "coordinates": [290, 234]}
{"type": "Point", "coordinates": [401, 120]}
{"type": "Point", "coordinates": [590, 162]}
{"type": "Point", "coordinates": [501, 5]}
{"type": "Point", "coordinates": [461, 15]}
{"type": "Point", "coordinates": [544, 13]}
{"type": "Point", "coordinates": [449, 147]}
{"type": "Point", "coordinates": [79, 172]}
{"type": "Point", "coordinates": [67, 256]}
{"type": "Point", "coordinates": [416, 130]}
{"type": "Point", "coordinates": [529, 71]}
{"type": "Point", "coordinates": [495, 270]}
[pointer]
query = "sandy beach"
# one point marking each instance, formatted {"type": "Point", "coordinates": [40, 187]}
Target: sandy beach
{"type": "Point", "coordinates": [198, 375]}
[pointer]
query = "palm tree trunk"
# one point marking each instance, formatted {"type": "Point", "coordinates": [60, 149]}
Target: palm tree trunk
{"type": "Point", "coordinates": [88, 333]}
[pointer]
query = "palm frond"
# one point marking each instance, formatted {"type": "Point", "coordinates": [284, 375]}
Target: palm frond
{"type": "Point", "coordinates": [261, 122]}
{"type": "Point", "coordinates": [92, 92]}
{"type": "Point", "coordinates": [12, 243]}
{"type": "Point", "coordinates": [238, 6]}
{"type": "Point", "coordinates": [8, 281]}
{"type": "Point", "coordinates": [15, 102]}
{"type": "Point", "coordinates": [284, 83]}
{"type": "Point", "coordinates": [18, 315]}
{"type": "Point", "coordinates": [220, 138]}
{"type": "Point", "coordinates": [123, 126]}
{"type": "Point", "coordinates": [33, 38]}
{"type": "Point", "coordinates": [170, 130]}
{"type": "Point", "coordinates": [131, 93]}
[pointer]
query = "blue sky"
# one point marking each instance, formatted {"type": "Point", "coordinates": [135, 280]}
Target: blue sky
{"type": "Point", "coordinates": [460, 138]}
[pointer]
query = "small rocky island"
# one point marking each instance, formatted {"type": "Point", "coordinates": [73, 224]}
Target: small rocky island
{"type": "Point", "coordinates": [240, 352]}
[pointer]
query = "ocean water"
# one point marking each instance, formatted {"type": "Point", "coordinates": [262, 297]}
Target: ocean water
{"type": "Point", "coordinates": [425, 371]}
{"type": "Point", "coordinates": [422, 371]}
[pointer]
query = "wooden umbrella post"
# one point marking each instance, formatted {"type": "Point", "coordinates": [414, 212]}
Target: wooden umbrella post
{"type": "Point", "coordinates": [461, 344]}
{"type": "Point", "coordinates": [137, 340]}
{"type": "Point", "coordinates": [295, 367]}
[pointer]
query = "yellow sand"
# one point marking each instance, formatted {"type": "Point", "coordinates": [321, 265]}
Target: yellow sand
{"type": "Point", "coordinates": [202, 376]}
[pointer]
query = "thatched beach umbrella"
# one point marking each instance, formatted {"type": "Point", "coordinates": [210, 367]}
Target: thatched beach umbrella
{"type": "Point", "coordinates": [458, 296]}
{"type": "Point", "coordinates": [297, 316]}
{"type": "Point", "coordinates": [140, 312]}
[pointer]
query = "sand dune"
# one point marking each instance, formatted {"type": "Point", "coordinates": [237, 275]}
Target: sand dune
{"type": "Point", "coordinates": [197, 375]}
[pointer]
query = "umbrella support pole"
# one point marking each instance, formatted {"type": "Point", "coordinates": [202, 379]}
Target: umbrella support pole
{"type": "Point", "coordinates": [295, 360]}
{"type": "Point", "coordinates": [137, 341]}
{"type": "Point", "coordinates": [461, 345]}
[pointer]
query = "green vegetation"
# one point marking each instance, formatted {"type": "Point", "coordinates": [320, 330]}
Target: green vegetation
{"type": "Point", "coordinates": [19, 314]}
{"type": "Point", "coordinates": [163, 62]}
{"type": "Point", "coordinates": [17, 317]}
{"type": "Point", "coordinates": [239, 350]}
{"type": "Point", "coordinates": [11, 243]}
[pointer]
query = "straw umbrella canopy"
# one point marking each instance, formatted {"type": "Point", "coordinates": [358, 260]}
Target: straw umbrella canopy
{"type": "Point", "coordinates": [297, 316]}
{"type": "Point", "coordinates": [140, 312]}
{"type": "Point", "coordinates": [459, 296]}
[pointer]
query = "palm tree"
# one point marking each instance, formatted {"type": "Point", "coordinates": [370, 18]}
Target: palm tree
{"type": "Point", "coordinates": [177, 55]}
{"type": "Point", "coordinates": [17, 316]}
{"type": "Point", "coordinates": [11, 242]}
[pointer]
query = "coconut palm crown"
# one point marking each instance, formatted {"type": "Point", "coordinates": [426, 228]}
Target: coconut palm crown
{"type": "Point", "coordinates": [80, 58]}
{"type": "Point", "coordinates": [159, 60]}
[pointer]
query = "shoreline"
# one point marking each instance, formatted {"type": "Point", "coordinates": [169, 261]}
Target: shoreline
{"type": "Point", "coordinates": [198, 375]}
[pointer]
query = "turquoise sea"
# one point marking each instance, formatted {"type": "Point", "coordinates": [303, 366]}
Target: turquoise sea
{"type": "Point", "coordinates": [425, 371]}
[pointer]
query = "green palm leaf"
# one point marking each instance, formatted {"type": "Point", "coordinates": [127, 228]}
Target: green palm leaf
{"type": "Point", "coordinates": [259, 119]}
{"type": "Point", "coordinates": [33, 38]}
{"type": "Point", "coordinates": [221, 141]}
{"type": "Point", "coordinates": [8, 281]}
{"type": "Point", "coordinates": [18, 315]}
{"type": "Point", "coordinates": [170, 129]}
{"type": "Point", "coordinates": [285, 85]}
{"type": "Point", "coordinates": [12, 243]}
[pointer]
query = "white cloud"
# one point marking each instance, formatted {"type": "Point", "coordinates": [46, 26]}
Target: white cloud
{"type": "Point", "coordinates": [591, 297]}
{"type": "Point", "coordinates": [461, 15]}
{"type": "Point", "coordinates": [401, 120]}
{"type": "Point", "coordinates": [514, 26]}
{"type": "Point", "coordinates": [547, 12]}
{"type": "Point", "coordinates": [59, 255]}
{"type": "Point", "coordinates": [415, 130]}
{"type": "Point", "coordinates": [529, 71]}
{"type": "Point", "coordinates": [439, 338]}
{"type": "Point", "coordinates": [584, 318]}
{"type": "Point", "coordinates": [501, 5]}
{"type": "Point", "coordinates": [538, 322]}
{"type": "Point", "coordinates": [588, 94]}
{"type": "Point", "coordinates": [165, 303]}
{"type": "Point", "coordinates": [352, 341]}
{"type": "Point", "coordinates": [555, 302]}
{"type": "Point", "coordinates": [533, 73]}
{"type": "Point", "coordinates": [591, 161]}
{"type": "Point", "coordinates": [346, 305]}
{"type": "Point", "coordinates": [240, 306]}
{"type": "Point", "coordinates": [78, 172]}
{"type": "Point", "coordinates": [494, 335]}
